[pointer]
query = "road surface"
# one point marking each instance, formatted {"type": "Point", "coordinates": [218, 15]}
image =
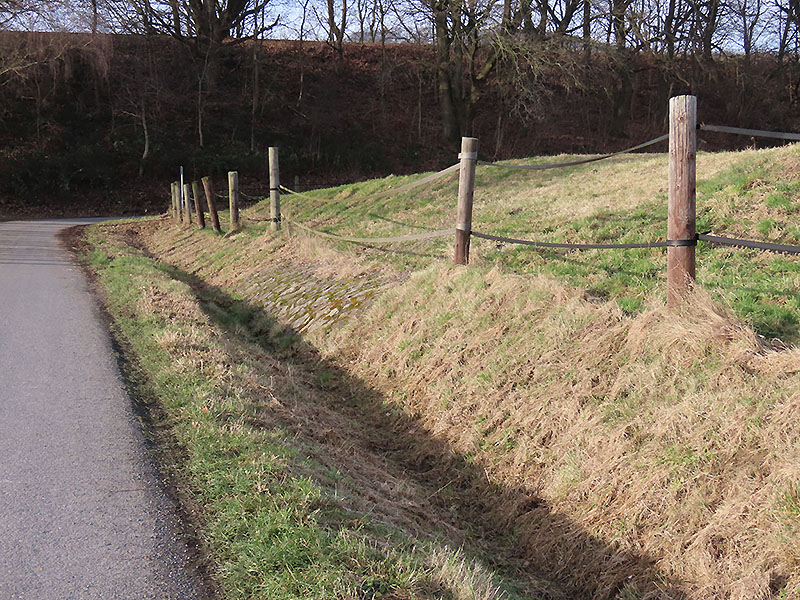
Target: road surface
{"type": "Point", "coordinates": [83, 514]}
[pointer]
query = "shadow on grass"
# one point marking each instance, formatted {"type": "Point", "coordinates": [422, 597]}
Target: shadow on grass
{"type": "Point", "coordinates": [508, 524]}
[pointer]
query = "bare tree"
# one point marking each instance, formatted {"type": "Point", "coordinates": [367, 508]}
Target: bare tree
{"type": "Point", "coordinates": [748, 15]}
{"type": "Point", "coordinates": [788, 13]}
{"type": "Point", "coordinates": [336, 24]}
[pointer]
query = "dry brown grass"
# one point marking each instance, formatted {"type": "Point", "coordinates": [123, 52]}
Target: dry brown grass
{"type": "Point", "coordinates": [668, 435]}
{"type": "Point", "coordinates": [626, 182]}
{"type": "Point", "coordinates": [335, 420]}
{"type": "Point", "coordinates": [651, 456]}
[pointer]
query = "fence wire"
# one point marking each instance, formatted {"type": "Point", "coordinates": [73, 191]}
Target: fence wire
{"type": "Point", "coordinates": [385, 193]}
{"type": "Point", "coordinates": [586, 246]}
{"type": "Point", "coordinates": [781, 135]}
{"type": "Point", "coordinates": [573, 163]}
{"type": "Point", "coordinates": [428, 235]}
{"type": "Point", "coordinates": [768, 246]}
{"type": "Point", "coordinates": [711, 239]}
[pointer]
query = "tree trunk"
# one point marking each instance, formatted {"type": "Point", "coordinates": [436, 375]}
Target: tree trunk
{"type": "Point", "coordinates": [587, 29]}
{"type": "Point", "coordinates": [452, 129]}
{"type": "Point", "coordinates": [146, 132]}
{"type": "Point", "coordinates": [621, 100]}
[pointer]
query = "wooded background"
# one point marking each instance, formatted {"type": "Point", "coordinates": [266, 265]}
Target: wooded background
{"type": "Point", "coordinates": [107, 96]}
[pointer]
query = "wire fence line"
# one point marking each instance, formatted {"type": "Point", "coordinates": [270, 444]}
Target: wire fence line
{"type": "Point", "coordinates": [712, 239]}
{"type": "Point", "coordinates": [256, 198]}
{"type": "Point", "coordinates": [385, 193]}
{"type": "Point", "coordinates": [437, 234]}
{"type": "Point", "coordinates": [574, 163]}
{"type": "Point", "coordinates": [739, 243]}
{"type": "Point", "coordinates": [444, 232]}
{"type": "Point", "coordinates": [428, 235]}
{"type": "Point", "coordinates": [585, 246]}
{"type": "Point", "coordinates": [780, 135]}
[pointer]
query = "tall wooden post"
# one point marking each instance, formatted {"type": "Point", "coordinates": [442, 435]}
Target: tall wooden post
{"type": "Point", "coordinates": [274, 191]}
{"type": "Point", "coordinates": [212, 207]}
{"type": "Point", "coordinates": [233, 198]}
{"type": "Point", "coordinates": [187, 206]}
{"type": "Point", "coordinates": [466, 191]}
{"type": "Point", "coordinates": [198, 208]}
{"type": "Point", "coordinates": [682, 194]}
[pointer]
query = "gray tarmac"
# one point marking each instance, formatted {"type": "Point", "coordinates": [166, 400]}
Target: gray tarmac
{"type": "Point", "coordinates": [83, 514]}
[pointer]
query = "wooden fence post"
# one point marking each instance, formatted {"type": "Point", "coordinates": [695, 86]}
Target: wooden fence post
{"type": "Point", "coordinates": [187, 206]}
{"type": "Point", "coordinates": [198, 208]}
{"type": "Point", "coordinates": [297, 183]}
{"type": "Point", "coordinates": [212, 207]}
{"type": "Point", "coordinates": [682, 193]}
{"type": "Point", "coordinates": [174, 207]}
{"type": "Point", "coordinates": [233, 198]}
{"type": "Point", "coordinates": [178, 202]}
{"type": "Point", "coordinates": [274, 191]}
{"type": "Point", "coordinates": [466, 190]}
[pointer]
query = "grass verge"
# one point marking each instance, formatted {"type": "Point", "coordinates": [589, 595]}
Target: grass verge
{"type": "Point", "coordinates": [642, 454]}
{"type": "Point", "coordinates": [284, 513]}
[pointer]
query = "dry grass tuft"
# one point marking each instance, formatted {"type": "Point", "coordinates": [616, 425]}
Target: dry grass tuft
{"type": "Point", "coordinates": [327, 261]}
{"type": "Point", "coordinates": [663, 436]}
{"type": "Point", "coordinates": [465, 579]}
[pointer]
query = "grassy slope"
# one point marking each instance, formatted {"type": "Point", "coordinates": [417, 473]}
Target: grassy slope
{"type": "Point", "coordinates": [292, 494]}
{"type": "Point", "coordinates": [753, 194]}
{"type": "Point", "coordinates": [623, 450]}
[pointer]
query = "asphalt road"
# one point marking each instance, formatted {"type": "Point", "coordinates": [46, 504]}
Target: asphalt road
{"type": "Point", "coordinates": [83, 514]}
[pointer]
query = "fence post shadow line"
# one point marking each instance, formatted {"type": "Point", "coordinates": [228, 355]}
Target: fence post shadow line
{"type": "Point", "coordinates": [521, 521]}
